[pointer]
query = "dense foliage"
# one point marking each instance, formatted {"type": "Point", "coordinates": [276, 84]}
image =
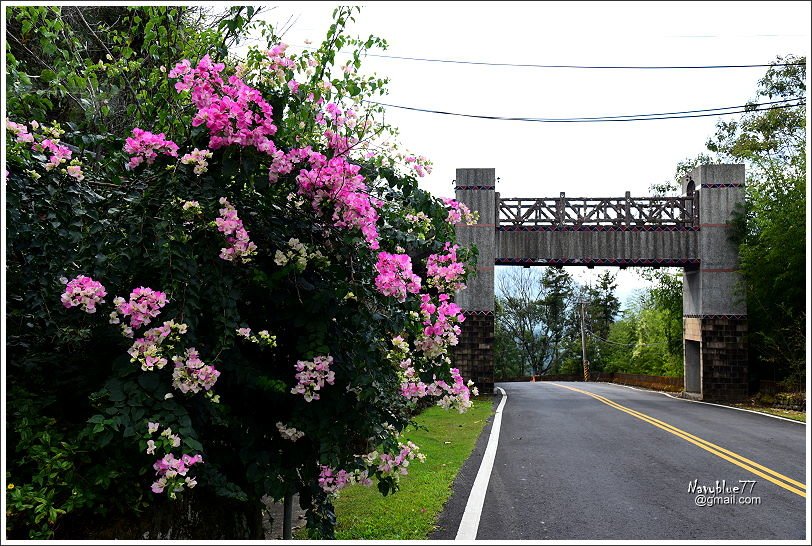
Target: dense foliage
{"type": "Point", "coordinates": [538, 322]}
{"type": "Point", "coordinates": [531, 315]}
{"type": "Point", "coordinates": [771, 228]}
{"type": "Point", "coordinates": [221, 274]}
{"type": "Point", "coordinates": [647, 339]}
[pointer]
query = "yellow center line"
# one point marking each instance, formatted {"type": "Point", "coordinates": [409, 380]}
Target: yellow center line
{"type": "Point", "coordinates": [707, 443]}
{"type": "Point", "coordinates": [738, 460]}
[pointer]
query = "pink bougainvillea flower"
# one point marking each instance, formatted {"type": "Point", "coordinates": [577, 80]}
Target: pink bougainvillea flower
{"type": "Point", "coordinates": [395, 277]}
{"type": "Point", "coordinates": [145, 146]}
{"type": "Point", "coordinates": [83, 292]}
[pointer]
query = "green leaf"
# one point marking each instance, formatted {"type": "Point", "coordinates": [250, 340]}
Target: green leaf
{"type": "Point", "coordinates": [151, 383]}
{"type": "Point", "coordinates": [191, 443]}
{"type": "Point", "coordinates": [116, 392]}
{"type": "Point", "coordinates": [47, 75]}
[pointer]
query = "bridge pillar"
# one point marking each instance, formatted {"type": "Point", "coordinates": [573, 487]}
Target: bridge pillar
{"type": "Point", "coordinates": [473, 355]}
{"type": "Point", "coordinates": [714, 308]}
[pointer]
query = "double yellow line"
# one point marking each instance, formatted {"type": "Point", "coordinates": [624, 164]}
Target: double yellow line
{"type": "Point", "coordinates": [751, 466]}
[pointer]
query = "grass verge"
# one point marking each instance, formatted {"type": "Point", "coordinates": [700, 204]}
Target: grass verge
{"type": "Point", "coordinates": [411, 513]}
{"type": "Point", "coordinates": [788, 414]}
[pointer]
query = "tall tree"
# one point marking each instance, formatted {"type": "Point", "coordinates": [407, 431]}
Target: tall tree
{"type": "Point", "coordinates": [602, 306]}
{"type": "Point", "coordinates": [534, 310]}
{"type": "Point", "coordinates": [639, 342]}
{"type": "Point", "coordinates": [104, 67]}
{"type": "Point", "coordinates": [666, 296]}
{"type": "Point", "coordinates": [771, 227]}
{"type": "Point", "coordinates": [507, 360]}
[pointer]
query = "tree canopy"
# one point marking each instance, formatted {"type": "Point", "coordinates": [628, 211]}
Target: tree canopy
{"type": "Point", "coordinates": [771, 227]}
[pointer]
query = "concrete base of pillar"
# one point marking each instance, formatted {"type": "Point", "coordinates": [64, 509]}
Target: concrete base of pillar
{"type": "Point", "coordinates": [473, 354]}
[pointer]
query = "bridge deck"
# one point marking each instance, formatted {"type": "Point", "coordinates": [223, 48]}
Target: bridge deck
{"type": "Point", "coordinates": [620, 247]}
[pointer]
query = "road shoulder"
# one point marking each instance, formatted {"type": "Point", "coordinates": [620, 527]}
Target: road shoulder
{"type": "Point", "coordinates": [449, 520]}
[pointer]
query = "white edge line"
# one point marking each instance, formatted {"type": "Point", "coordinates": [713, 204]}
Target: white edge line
{"type": "Point", "coordinates": [708, 403]}
{"type": "Point", "coordinates": [469, 525]}
{"type": "Point", "coordinates": [734, 408]}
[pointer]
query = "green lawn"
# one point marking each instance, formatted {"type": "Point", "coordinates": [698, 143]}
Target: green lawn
{"type": "Point", "coordinates": [410, 514]}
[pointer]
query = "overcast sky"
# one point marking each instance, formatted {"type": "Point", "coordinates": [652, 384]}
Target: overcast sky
{"type": "Point", "coordinates": [582, 159]}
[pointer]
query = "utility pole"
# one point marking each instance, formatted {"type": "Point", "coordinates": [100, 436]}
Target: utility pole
{"type": "Point", "coordinates": [583, 341]}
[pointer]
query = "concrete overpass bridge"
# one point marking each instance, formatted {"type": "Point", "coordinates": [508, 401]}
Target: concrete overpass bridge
{"type": "Point", "coordinates": [690, 231]}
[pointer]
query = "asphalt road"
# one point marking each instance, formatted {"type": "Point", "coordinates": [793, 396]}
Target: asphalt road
{"type": "Point", "coordinates": [570, 466]}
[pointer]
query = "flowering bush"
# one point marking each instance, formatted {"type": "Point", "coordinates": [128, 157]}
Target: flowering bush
{"type": "Point", "coordinates": [83, 292]}
{"type": "Point", "coordinates": [288, 165]}
{"type": "Point", "coordinates": [459, 212]}
{"type": "Point", "coordinates": [227, 109]}
{"type": "Point", "coordinates": [170, 470]}
{"type": "Point", "coordinates": [144, 305]}
{"type": "Point", "coordinates": [395, 277]}
{"type": "Point", "coordinates": [444, 271]}
{"type": "Point", "coordinates": [46, 141]}
{"type": "Point", "coordinates": [191, 374]}
{"type": "Point", "coordinates": [198, 158]}
{"type": "Point", "coordinates": [263, 337]}
{"type": "Point", "coordinates": [312, 376]}
{"type": "Point", "coordinates": [298, 256]}
{"type": "Point", "coordinates": [241, 248]}
{"type": "Point", "coordinates": [147, 350]}
{"type": "Point", "coordinates": [289, 433]}
{"type": "Point", "coordinates": [145, 146]}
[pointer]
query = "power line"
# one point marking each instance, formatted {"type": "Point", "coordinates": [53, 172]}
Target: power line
{"type": "Point", "coordinates": [639, 117]}
{"type": "Point", "coordinates": [783, 101]}
{"type": "Point", "coordinates": [566, 66]}
{"type": "Point", "coordinates": [589, 67]}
